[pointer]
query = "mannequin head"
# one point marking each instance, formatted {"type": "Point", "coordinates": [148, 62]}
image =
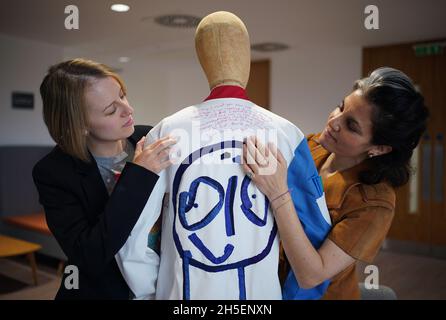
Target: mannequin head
{"type": "Point", "coordinates": [223, 49]}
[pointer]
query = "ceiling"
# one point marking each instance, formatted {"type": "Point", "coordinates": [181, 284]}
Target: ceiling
{"type": "Point", "coordinates": [293, 22]}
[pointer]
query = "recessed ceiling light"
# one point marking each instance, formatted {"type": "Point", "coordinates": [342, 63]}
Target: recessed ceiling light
{"type": "Point", "coordinates": [118, 7]}
{"type": "Point", "coordinates": [124, 59]}
{"type": "Point", "coordinates": [269, 46]}
{"type": "Point", "coordinates": [178, 21]}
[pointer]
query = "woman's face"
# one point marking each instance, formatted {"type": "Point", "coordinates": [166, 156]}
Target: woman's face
{"type": "Point", "coordinates": [348, 131]}
{"type": "Point", "coordinates": [108, 111]}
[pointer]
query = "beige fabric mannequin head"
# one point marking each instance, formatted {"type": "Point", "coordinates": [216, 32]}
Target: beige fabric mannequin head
{"type": "Point", "coordinates": [223, 49]}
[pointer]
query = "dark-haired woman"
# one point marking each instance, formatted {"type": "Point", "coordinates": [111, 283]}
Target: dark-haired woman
{"type": "Point", "coordinates": [362, 155]}
{"type": "Point", "coordinates": [95, 183]}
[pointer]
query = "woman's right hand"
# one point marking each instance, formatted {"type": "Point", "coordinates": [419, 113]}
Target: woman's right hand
{"type": "Point", "coordinates": [155, 156]}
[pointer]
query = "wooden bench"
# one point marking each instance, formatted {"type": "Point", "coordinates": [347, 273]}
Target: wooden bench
{"type": "Point", "coordinates": [10, 247]}
{"type": "Point", "coordinates": [34, 222]}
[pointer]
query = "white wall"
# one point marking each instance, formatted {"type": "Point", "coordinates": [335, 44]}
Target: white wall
{"type": "Point", "coordinates": [23, 63]}
{"type": "Point", "coordinates": [159, 87]}
{"type": "Point", "coordinates": [306, 84]}
{"type": "Point", "coordinates": [147, 91]}
{"type": "Point", "coordinates": [158, 84]}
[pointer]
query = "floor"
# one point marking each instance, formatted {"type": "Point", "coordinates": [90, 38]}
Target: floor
{"type": "Point", "coordinates": [16, 280]}
{"type": "Point", "coordinates": [410, 276]}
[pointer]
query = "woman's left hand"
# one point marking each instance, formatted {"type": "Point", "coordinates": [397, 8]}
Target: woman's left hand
{"type": "Point", "coordinates": [266, 166]}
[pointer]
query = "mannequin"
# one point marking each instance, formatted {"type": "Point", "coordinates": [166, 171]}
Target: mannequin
{"type": "Point", "coordinates": [222, 61]}
{"type": "Point", "coordinates": [219, 239]}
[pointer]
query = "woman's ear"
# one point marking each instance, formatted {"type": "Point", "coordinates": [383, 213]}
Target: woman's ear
{"type": "Point", "coordinates": [379, 151]}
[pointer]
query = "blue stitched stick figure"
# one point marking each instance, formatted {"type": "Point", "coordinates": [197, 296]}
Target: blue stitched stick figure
{"type": "Point", "coordinates": [220, 219]}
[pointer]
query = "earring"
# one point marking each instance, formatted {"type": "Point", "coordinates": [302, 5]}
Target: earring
{"type": "Point", "coordinates": [86, 132]}
{"type": "Point", "coordinates": [371, 155]}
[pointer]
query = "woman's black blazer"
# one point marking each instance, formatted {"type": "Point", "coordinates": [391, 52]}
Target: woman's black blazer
{"type": "Point", "coordinates": [89, 225]}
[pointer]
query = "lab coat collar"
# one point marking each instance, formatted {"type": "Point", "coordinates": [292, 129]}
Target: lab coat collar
{"type": "Point", "coordinates": [227, 92]}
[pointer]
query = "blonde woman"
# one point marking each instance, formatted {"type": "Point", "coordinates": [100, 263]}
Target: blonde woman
{"type": "Point", "coordinates": [95, 183]}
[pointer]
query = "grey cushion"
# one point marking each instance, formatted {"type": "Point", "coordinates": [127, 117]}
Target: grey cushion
{"type": "Point", "coordinates": [383, 293]}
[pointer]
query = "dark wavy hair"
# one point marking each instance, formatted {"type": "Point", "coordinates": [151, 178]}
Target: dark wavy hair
{"type": "Point", "coordinates": [399, 119]}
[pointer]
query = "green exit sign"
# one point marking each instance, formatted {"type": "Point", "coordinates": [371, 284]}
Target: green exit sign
{"type": "Point", "coordinates": [430, 49]}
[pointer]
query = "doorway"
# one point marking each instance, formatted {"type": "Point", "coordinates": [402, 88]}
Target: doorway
{"type": "Point", "coordinates": [419, 225]}
{"type": "Point", "coordinates": [258, 88]}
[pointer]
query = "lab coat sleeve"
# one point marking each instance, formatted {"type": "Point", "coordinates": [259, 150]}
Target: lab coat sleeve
{"type": "Point", "coordinates": [138, 263]}
{"type": "Point", "coordinates": [309, 201]}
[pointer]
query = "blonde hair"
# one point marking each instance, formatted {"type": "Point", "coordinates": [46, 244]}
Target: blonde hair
{"type": "Point", "coordinates": [64, 109]}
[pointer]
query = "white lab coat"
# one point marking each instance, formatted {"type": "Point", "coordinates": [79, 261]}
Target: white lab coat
{"type": "Point", "coordinates": [219, 239]}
